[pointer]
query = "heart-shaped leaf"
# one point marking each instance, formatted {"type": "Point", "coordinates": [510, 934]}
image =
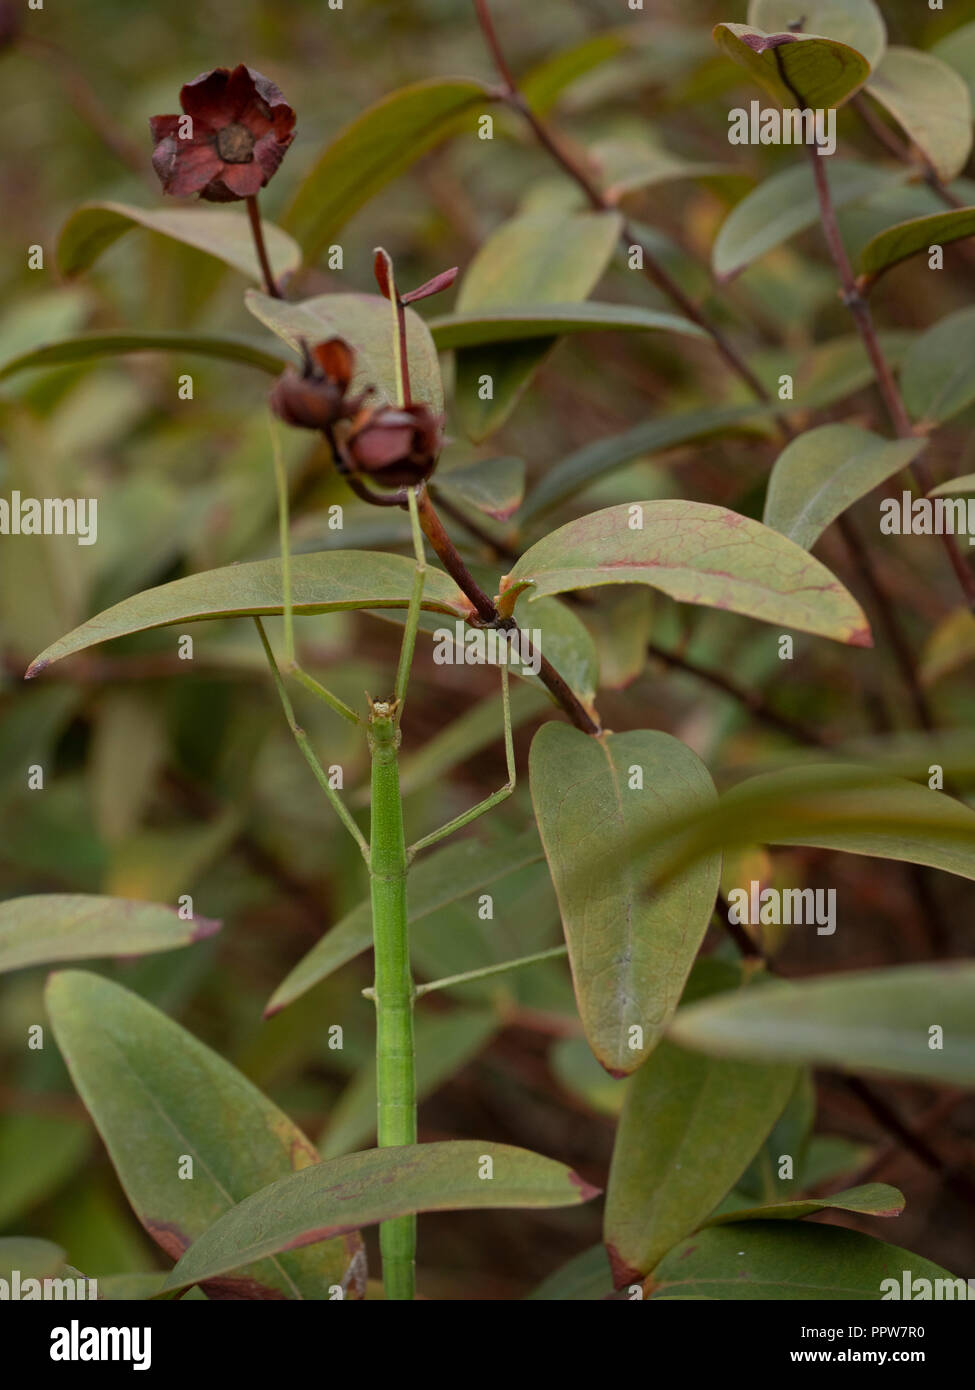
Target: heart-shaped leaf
{"type": "Point", "coordinates": [630, 951]}
{"type": "Point", "coordinates": [696, 553]}
{"type": "Point", "coordinates": [366, 322]}
{"type": "Point", "coordinates": [930, 102]}
{"type": "Point", "coordinates": [375, 148]}
{"type": "Point", "coordinates": [217, 231]}
{"type": "Point", "coordinates": [688, 1130]}
{"type": "Point", "coordinates": [74, 926]}
{"type": "Point", "coordinates": [321, 583]}
{"type": "Point", "coordinates": [378, 1185]}
{"type": "Point", "coordinates": [188, 1134]}
{"type": "Point", "coordinates": [824, 471]}
{"type": "Point", "coordinates": [798, 70]}
{"type": "Point", "coordinates": [909, 1020]}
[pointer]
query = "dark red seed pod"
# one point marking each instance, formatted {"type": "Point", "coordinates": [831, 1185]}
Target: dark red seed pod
{"type": "Point", "coordinates": [396, 446]}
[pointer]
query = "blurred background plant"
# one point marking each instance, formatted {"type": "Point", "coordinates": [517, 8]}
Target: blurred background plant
{"type": "Point", "coordinates": [164, 777]}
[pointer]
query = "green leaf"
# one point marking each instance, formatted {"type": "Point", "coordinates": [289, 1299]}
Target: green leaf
{"type": "Point", "coordinates": [958, 50]}
{"type": "Point", "coordinates": [217, 231]}
{"type": "Point", "coordinates": [586, 1277]}
{"type": "Point", "coordinates": [938, 375]}
{"type": "Point", "coordinates": [543, 84]}
{"type": "Point", "coordinates": [596, 460]}
{"type": "Point", "coordinates": [629, 162]}
{"type": "Point", "coordinates": [930, 102]}
{"type": "Point", "coordinates": [534, 321]}
{"type": "Point", "coordinates": [460, 870]}
{"type": "Point", "coordinates": [688, 1130]}
{"type": "Point", "coordinates": [365, 1188]}
{"type": "Point", "coordinates": [818, 72]}
{"type": "Point", "coordinates": [320, 583]}
{"type": "Point", "coordinates": [630, 953]}
{"type": "Point", "coordinates": [492, 486]}
{"type": "Point", "coordinates": [858, 23]}
{"type": "Point", "coordinates": [444, 1042]}
{"type": "Point", "coordinates": [158, 1097]}
{"type": "Point", "coordinates": [824, 471]}
{"type": "Point", "coordinates": [898, 243]}
{"type": "Point", "coordinates": [773, 1261]}
{"type": "Point", "coordinates": [552, 257]}
{"type": "Point", "coordinates": [38, 1154]}
{"type": "Point", "coordinates": [365, 321]}
{"type": "Point", "coordinates": [872, 1199]}
{"type": "Point", "coordinates": [73, 926]}
{"type": "Point", "coordinates": [87, 346]}
{"type": "Point", "coordinates": [965, 485]}
{"type": "Point", "coordinates": [36, 1259]}
{"type": "Point", "coordinates": [379, 145]}
{"type": "Point", "coordinates": [840, 806]}
{"type": "Point", "coordinates": [696, 553]}
{"type": "Point", "coordinates": [872, 1020]}
{"type": "Point", "coordinates": [785, 204]}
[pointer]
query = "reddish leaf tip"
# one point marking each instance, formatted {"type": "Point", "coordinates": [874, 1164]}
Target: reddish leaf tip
{"type": "Point", "coordinates": [35, 668]}
{"type": "Point", "coordinates": [382, 266]}
{"type": "Point", "coordinates": [861, 637]}
{"type": "Point", "coordinates": [204, 927]}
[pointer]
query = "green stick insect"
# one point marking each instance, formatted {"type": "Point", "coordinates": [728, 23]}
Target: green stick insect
{"type": "Point", "coordinates": [386, 853]}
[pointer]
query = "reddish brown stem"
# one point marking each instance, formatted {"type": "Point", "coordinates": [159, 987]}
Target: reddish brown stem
{"type": "Point", "coordinates": [254, 213]}
{"type": "Point", "coordinates": [886, 384]}
{"type": "Point", "coordinates": [488, 614]}
{"type": "Point", "coordinates": [652, 268]}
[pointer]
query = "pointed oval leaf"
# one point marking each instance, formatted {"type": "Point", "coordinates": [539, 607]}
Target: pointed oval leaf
{"type": "Point", "coordinates": [87, 346]}
{"type": "Point", "coordinates": [852, 808]}
{"type": "Point", "coordinates": [630, 952]}
{"type": "Point", "coordinates": [158, 1096]}
{"type": "Point", "coordinates": [551, 257]}
{"type": "Point", "coordinates": [958, 50]}
{"type": "Point", "coordinates": [73, 926]}
{"type": "Point", "coordinates": [872, 1199]}
{"type": "Point", "coordinates": [596, 460]}
{"type": "Point", "coordinates": [217, 231]}
{"type": "Point", "coordinates": [775, 1260]}
{"type": "Point", "coordinates": [697, 553]}
{"type": "Point", "coordinates": [906, 239]}
{"type": "Point", "coordinates": [785, 204]}
{"type": "Point", "coordinates": [938, 375]}
{"type": "Point", "coordinates": [320, 583]}
{"type": "Point", "coordinates": [876, 1020]}
{"type": "Point", "coordinates": [34, 1258]}
{"type": "Point", "coordinates": [824, 471]}
{"type": "Point", "coordinates": [930, 102]}
{"type": "Point", "coordinates": [688, 1131]}
{"type": "Point", "coordinates": [378, 1185]}
{"type": "Point", "coordinates": [365, 321]}
{"type": "Point", "coordinates": [818, 72]}
{"type": "Point", "coordinates": [857, 23]}
{"type": "Point", "coordinates": [543, 320]}
{"type": "Point", "coordinates": [543, 84]}
{"type": "Point", "coordinates": [493, 486]}
{"type": "Point", "coordinates": [964, 485]}
{"type": "Point", "coordinates": [375, 148]}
